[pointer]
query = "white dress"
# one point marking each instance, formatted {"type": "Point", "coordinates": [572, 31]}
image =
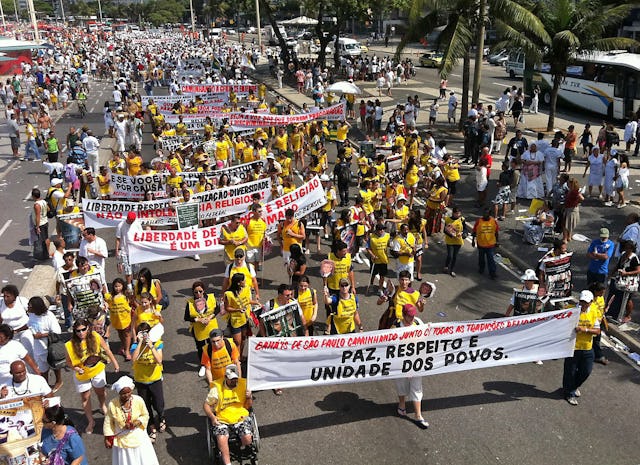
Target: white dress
{"type": "Point", "coordinates": [531, 185]}
{"type": "Point", "coordinates": [47, 323]}
{"type": "Point", "coordinates": [144, 454]}
{"type": "Point", "coordinates": [596, 170]}
{"type": "Point", "coordinates": [609, 173]}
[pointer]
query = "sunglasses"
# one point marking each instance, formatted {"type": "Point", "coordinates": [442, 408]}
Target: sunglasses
{"type": "Point", "coordinates": [198, 291]}
{"type": "Point", "coordinates": [345, 285]}
{"type": "Point", "coordinates": [80, 330]}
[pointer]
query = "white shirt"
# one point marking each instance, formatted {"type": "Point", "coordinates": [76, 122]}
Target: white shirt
{"type": "Point", "coordinates": [453, 102]}
{"type": "Point", "coordinates": [99, 245]}
{"type": "Point", "coordinates": [630, 130]}
{"type": "Point", "coordinates": [16, 316]}
{"type": "Point", "coordinates": [122, 231]}
{"type": "Point", "coordinates": [9, 353]}
{"type": "Point", "coordinates": [33, 384]}
{"type": "Point", "coordinates": [91, 144]}
{"type": "Point", "coordinates": [117, 96]}
{"type": "Point", "coordinates": [47, 323]}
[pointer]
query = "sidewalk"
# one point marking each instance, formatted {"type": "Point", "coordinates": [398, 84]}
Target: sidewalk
{"type": "Point", "coordinates": [512, 249]}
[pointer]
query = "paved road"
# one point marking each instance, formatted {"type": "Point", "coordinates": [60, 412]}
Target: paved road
{"type": "Point", "coordinates": [501, 415]}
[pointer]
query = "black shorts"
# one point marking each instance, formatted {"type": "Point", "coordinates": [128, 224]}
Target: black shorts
{"type": "Point", "coordinates": [568, 155]}
{"type": "Point", "coordinates": [452, 187]}
{"type": "Point", "coordinates": [325, 219]}
{"type": "Point", "coordinates": [381, 269]}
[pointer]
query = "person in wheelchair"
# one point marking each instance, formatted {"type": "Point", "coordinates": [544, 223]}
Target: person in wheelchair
{"type": "Point", "coordinates": [227, 406]}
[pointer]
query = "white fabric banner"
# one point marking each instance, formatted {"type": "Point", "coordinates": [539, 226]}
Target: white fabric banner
{"type": "Point", "coordinates": [230, 200]}
{"type": "Point", "coordinates": [162, 100]}
{"type": "Point", "coordinates": [108, 213]}
{"type": "Point", "coordinates": [234, 171]}
{"type": "Point", "coordinates": [429, 349]}
{"type": "Point", "coordinates": [240, 90]}
{"type": "Point", "coordinates": [134, 187]}
{"type": "Point", "coordinates": [150, 246]}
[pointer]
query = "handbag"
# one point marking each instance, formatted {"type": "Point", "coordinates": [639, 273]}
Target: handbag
{"type": "Point", "coordinates": [56, 351]}
{"type": "Point", "coordinates": [55, 457]}
{"type": "Point", "coordinates": [627, 283]}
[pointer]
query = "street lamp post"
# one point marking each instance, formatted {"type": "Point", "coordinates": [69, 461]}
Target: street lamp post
{"type": "Point", "coordinates": [32, 16]}
{"type": "Point", "coordinates": [62, 10]}
{"type": "Point", "coordinates": [258, 25]}
{"type": "Point", "coordinates": [193, 18]}
{"type": "Point", "coordinates": [4, 25]}
{"type": "Point", "coordinates": [100, 10]}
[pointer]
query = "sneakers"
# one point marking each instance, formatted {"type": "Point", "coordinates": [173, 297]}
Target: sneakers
{"type": "Point", "coordinates": [538, 362]}
{"type": "Point", "coordinates": [453, 274]}
{"type": "Point", "coordinates": [576, 393]}
{"type": "Point", "coordinates": [201, 371]}
{"type": "Point", "coordinates": [608, 203]}
{"type": "Point", "coordinates": [196, 257]}
{"type": "Point", "coordinates": [357, 259]}
{"type": "Point", "coordinates": [573, 400]}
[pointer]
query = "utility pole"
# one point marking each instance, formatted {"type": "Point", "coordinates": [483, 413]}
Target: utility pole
{"type": "Point", "coordinates": [34, 22]}
{"type": "Point", "coordinates": [258, 25]}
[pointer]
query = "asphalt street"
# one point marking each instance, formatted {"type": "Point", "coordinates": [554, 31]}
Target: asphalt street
{"type": "Point", "coordinates": [511, 414]}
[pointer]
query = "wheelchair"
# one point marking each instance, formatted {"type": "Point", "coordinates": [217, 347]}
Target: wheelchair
{"type": "Point", "coordinates": [247, 455]}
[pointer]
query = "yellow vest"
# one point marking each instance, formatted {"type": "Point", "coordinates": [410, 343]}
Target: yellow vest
{"type": "Point", "coordinates": [242, 301]}
{"type": "Point", "coordinates": [89, 372]}
{"type": "Point", "coordinates": [230, 407]}
{"type": "Point", "coordinates": [119, 311]}
{"type": "Point", "coordinates": [342, 267]}
{"type": "Point", "coordinates": [255, 231]}
{"type": "Point", "coordinates": [148, 317]}
{"type": "Point", "coordinates": [343, 319]}
{"type": "Point", "coordinates": [589, 319]}
{"type": "Point", "coordinates": [145, 369]}
{"type": "Point", "coordinates": [378, 245]}
{"type": "Point", "coordinates": [406, 245]}
{"type": "Point", "coordinates": [201, 331]}
{"type": "Point", "coordinates": [238, 234]}
{"type": "Point", "coordinates": [403, 297]}
{"type": "Point", "coordinates": [305, 300]}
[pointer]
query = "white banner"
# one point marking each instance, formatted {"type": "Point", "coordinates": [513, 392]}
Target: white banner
{"type": "Point", "coordinates": [109, 213]}
{"type": "Point", "coordinates": [161, 100]}
{"type": "Point", "coordinates": [134, 187]}
{"type": "Point", "coordinates": [236, 171]}
{"type": "Point", "coordinates": [150, 246]}
{"type": "Point", "coordinates": [231, 200]}
{"type": "Point", "coordinates": [430, 349]}
{"type": "Point", "coordinates": [240, 90]}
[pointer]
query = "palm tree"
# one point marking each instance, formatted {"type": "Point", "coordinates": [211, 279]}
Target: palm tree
{"type": "Point", "coordinates": [465, 22]}
{"type": "Point", "coordinates": [574, 27]}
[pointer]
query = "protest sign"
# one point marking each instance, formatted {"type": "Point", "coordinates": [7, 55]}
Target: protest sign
{"type": "Point", "coordinates": [284, 321]}
{"type": "Point", "coordinates": [149, 246]}
{"type": "Point", "coordinates": [188, 215]}
{"type": "Point", "coordinates": [526, 303]}
{"type": "Point", "coordinates": [239, 90]}
{"type": "Point", "coordinates": [236, 171]}
{"type": "Point", "coordinates": [430, 349]}
{"type": "Point", "coordinates": [86, 292]}
{"type": "Point", "coordinates": [175, 142]}
{"type": "Point", "coordinates": [108, 213]}
{"type": "Point", "coordinates": [134, 187]}
{"type": "Point", "coordinates": [231, 200]}
{"type": "Point", "coordinates": [20, 429]}
{"type": "Point", "coordinates": [394, 167]}
{"type": "Point", "coordinates": [557, 275]}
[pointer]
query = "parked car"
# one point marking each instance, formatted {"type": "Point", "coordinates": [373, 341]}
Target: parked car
{"type": "Point", "coordinates": [304, 35]}
{"type": "Point", "coordinates": [431, 59]}
{"type": "Point", "coordinates": [495, 57]}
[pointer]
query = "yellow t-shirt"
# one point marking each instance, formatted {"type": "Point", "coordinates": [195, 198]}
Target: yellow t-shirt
{"type": "Point", "coordinates": [89, 372]}
{"type": "Point", "coordinates": [330, 195]}
{"type": "Point", "coordinates": [401, 298]}
{"type": "Point", "coordinates": [119, 311]}
{"type": "Point", "coordinates": [239, 234]}
{"type": "Point", "coordinates": [342, 268]}
{"type": "Point", "coordinates": [296, 140]}
{"type": "Point", "coordinates": [341, 133]}
{"type": "Point", "coordinates": [458, 225]}
{"type": "Point", "coordinates": [305, 299]}
{"type": "Point", "coordinates": [281, 142]}
{"type": "Point", "coordinates": [229, 402]}
{"type": "Point", "coordinates": [222, 150]}
{"type": "Point", "coordinates": [411, 177]}
{"type": "Point", "coordinates": [255, 231]}
{"type": "Point", "coordinates": [406, 245]}
{"type": "Point", "coordinates": [146, 369]}
{"type": "Point", "coordinates": [367, 201]}
{"type": "Point", "coordinates": [402, 213]}
{"type": "Point", "coordinates": [288, 241]}
{"type": "Point", "coordinates": [451, 172]}
{"type": "Point", "coordinates": [378, 245]}
{"type": "Point", "coordinates": [589, 319]}
{"type": "Point", "coordinates": [343, 319]}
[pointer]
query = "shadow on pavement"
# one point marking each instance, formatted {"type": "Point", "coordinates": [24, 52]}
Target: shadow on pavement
{"type": "Point", "coordinates": [190, 448]}
{"type": "Point", "coordinates": [516, 391]}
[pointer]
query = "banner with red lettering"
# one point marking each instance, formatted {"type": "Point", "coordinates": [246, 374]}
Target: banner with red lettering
{"type": "Point", "coordinates": [149, 246]}
{"type": "Point", "coordinates": [239, 89]}
{"type": "Point", "coordinates": [231, 200]}
{"type": "Point", "coordinates": [135, 187]}
{"type": "Point", "coordinates": [429, 349]}
{"type": "Point", "coordinates": [108, 213]}
{"type": "Point", "coordinates": [162, 100]}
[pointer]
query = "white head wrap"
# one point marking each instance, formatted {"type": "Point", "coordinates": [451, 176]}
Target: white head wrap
{"type": "Point", "coordinates": [123, 382]}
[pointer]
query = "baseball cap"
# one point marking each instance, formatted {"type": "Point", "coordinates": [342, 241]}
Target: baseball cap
{"type": "Point", "coordinates": [131, 216]}
{"type": "Point", "coordinates": [409, 310]}
{"type": "Point", "coordinates": [271, 156]}
{"type": "Point", "coordinates": [586, 296]}
{"type": "Point", "coordinates": [231, 372]}
{"type": "Point", "coordinates": [324, 178]}
{"type": "Point", "coordinates": [401, 197]}
{"type": "Point", "coordinates": [56, 182]}
{"type": "Point", "coordinates": [604, 232]}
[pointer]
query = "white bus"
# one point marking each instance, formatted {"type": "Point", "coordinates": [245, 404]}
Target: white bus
{"type": "Point", "coordinates": [607, 83]}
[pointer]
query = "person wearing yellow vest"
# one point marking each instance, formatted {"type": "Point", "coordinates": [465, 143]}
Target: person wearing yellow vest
{"type": "Point", "coordinates": [454, 229]}
{"type": "Point", "coordinates": [237, 303]}
{"type": "Point", "coordinates": [436, 203]}
{"type": "Point", "coordinates": [147, 312]}
{"type": "Point", "coordinates": [377, 250]}
{"type": "Point", "coordinates": [233, 235]}
{"type": "Point", "coordinates": [219, 353]}
{"type": "Point", "coordinates": [256, 229]}
{"type": "Point", "coordinates": [329, 208]}
{"type": "Point", "coordinates": [239, 265]}
{"type": "Point", "coordinates": [343, 268]}
{"type": "Point", "coordinates": [291, 231]}
{"type": "Point", "coordinates": [578, 367]}
{"type": "Point", "coordinates": [404, 294]}
{"type": "Point", "coordinates": [147, 374]}
{"type": "Point", "coordinates": [83, 357]}
{"type": "Point", "coordinates": [200, 311]}
{"type": "Point", "coordinates": [485, 234]}
{"type": "Point", "coordinates": [403, 248]}
{"type": "Point", "coordinates": [227, 407]}
{"type": "Point", "coordinates": [343, 317]}
{"type": "Point", "coordinates": [308, 300]}
{"type": "Point", "coordinates": [341, 134]}
{"type": "Point", "coordinates": [120, 314]}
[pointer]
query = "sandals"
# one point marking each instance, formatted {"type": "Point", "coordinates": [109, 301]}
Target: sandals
{"type": "Point", "coordinates": [153, 435]}
{"type": "Point", "coordinates": [402, 411]}
{"type": "Point", "coordinates": [89, 428]}
{"type": "Point", "coordinates": [421, 422]}
{"type": "Point", "coordinates": [163, 426]}
{"type": "Point", "coordinates": [277, 392]}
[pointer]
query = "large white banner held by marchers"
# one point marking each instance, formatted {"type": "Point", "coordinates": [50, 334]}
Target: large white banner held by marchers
{"type": "Point", "coordinates": [430, 349]}
{"type": "Point", "coordinates": [231, 200]}
{"type": "Point", "coordinates": [108, 213]}
{"type": "Point", "coordinates": [149, 246]}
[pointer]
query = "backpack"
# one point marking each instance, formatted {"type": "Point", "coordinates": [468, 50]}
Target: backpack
{"type": "Point", "coordinates": [227, 346]}
{"type": "Point", "coordinates": [56, 351]}
{"type": "Point", "coordinates": [51, 209]}
{"type": "Point", "coordinates": [344, 175]}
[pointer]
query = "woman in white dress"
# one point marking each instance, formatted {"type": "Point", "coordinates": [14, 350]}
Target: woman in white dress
{"type": "Point", "coordinates": [531, 184]}
{"type": "Point", "coordinates": [125, 427]}
{"type": "Point", "coordinates": [610, 176]}
{"type": "Point", "coordinates": [622, 182]}
{"type": "Point", "coordinates": [595, 166]}
{"type": "Point", "coordinates": [43, 322]}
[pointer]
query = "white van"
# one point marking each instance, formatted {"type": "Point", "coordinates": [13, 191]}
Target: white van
{"type": "Point", "coordinates": [515, 64]}
{"type": "Point", "coordinates": [215, 32]}
{"type": "Point", "coordinates": [349, 47]}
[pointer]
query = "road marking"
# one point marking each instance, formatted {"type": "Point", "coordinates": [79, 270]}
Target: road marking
{"type": "Point", "coordinates": [4, 228]}
{"type": "Point", "coordinates": [29, 194]}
